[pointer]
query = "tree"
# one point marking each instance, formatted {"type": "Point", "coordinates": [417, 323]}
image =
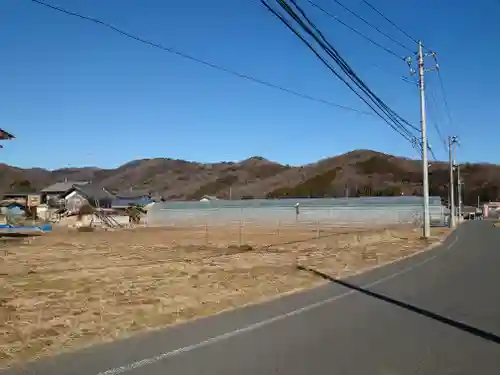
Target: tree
{"type": "Point", "coordinates": [21, 186]}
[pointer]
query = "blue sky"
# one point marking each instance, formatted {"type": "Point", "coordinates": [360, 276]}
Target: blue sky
{"type": "Point", "coordinates": [76, 94]}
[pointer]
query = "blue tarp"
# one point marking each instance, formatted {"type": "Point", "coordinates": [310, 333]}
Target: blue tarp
{"type": "Point", "coordinates": [18, 228]}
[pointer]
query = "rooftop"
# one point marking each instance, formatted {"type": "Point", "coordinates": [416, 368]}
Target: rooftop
{"type": "Point", "coordinates": [133, 194]}
{"type": "Point", "coordinates": [4, 135]}
{"type": "Point", "coordinates": [18, 194]}
{"type": "Point", "coordinates": [62, 187]}
{"type": "Point", "coordinates": [93, 191]}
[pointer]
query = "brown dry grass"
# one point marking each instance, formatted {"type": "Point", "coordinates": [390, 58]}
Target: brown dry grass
{"type": "Point", "coordinates": [69, 289]}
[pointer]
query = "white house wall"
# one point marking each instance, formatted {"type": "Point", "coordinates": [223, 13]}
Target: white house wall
{"type": "Point", "coordinates": [74, 201]}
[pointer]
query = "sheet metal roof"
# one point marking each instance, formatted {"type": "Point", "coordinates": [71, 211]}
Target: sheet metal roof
{"type": "Point", "coordinates": [61, 187]}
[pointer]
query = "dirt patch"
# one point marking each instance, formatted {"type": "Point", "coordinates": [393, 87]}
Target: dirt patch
{"type": "Point", "coordinates": [70, 289]}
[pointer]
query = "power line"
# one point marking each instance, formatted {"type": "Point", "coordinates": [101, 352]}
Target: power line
{"type": "Point", "coordinates": [388, 20]}
{"type": "Point", "coordinates": [373, 26]}
{"type": "Point", "coordinates": [402, 78]}
{"type": "Point", "coordinates": [198, 60]}
{"type": "Point", "coordinates": [407, 80]}
{"type": "Point", "coordinates": [355, 30]}
{"type": "Point", "coordinates": [443, 91]}
{"type": "Point", "coordinates": [435, 122]}
{"type": "Point", "coordinates": [395, 121]}
{"type": "Point", "coordinates": [433, 156]}
{"type": "Point", "coordinates": [333, 53]}
{"type": "Point", "coordinates": [447, 108]}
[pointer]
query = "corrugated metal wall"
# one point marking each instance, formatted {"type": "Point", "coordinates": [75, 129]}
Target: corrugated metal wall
{"type": "Point", "coordinates": [341, 212]}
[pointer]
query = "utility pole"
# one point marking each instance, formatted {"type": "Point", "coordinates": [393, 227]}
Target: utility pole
{"type": "Point", "coordinates": [459, 182]}
{"type": "Point", "coordinates": [423, 123]}
{"type": "Point", "coordinates": [451, 142]}
{"type": "Point", "coordinates": [423, 129]}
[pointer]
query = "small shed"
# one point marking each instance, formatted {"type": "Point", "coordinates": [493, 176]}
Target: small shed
{"type": "Point", "coordinates": [20, 197]}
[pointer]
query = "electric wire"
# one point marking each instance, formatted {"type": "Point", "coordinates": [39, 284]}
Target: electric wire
{"type": "Point", "coordinates": [373, 26]}
{"type": "Point", "coordinates": [402, 78]}
{"type": "Point", "coordinates": [433, 107]}
{"type": "Point", "coordinates": [390, 117]}
{"type": "Point", "coordinates": [386, 110]}
{"type": "Point", "coordinates": [199, 60]}
{"type": "Point", "coordinates": [343, 64]}
{"type": "Point", "coordinates": [325, 62]}
{"type": "Point", "coordinates": [324, 11]}
{"type": "Point", "coordinates": [445, 99]}
{"type": "Point", "coordinates": [404, 135]}
{"type": "Point", "coordinates": [332, 52]}
{"type": "Point", "coordinates": [388, 20]}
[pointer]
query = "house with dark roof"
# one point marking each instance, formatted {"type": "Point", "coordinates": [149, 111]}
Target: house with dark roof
{"type": "Point", "coordinates": [62, 187]}
{"type": "Point", "coordinates": [53, 194]}
{"type": "Point", "coordinates": [133, 194]}
{"type": "Point", "coordinates": [87, 194]}
{"type": "Point", "coordinates": [128, 198]}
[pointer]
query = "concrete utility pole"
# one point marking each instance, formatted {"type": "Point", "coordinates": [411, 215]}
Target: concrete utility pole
{"type": "Point", "coordinates": [459, 182]}
{"type": "Point", "coordinates": [425, 162]}
{"type": "Point", "coordinates": [451, 142]}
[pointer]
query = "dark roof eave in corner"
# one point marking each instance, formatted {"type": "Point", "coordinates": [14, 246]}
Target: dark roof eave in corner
{"type": "Point", "coordinates": [4, 135]}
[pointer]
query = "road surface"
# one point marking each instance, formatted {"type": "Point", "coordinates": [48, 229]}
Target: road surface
{"type": "Point", "coordinates": [435, 313]}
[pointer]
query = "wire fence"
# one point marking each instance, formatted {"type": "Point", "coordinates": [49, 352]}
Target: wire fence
{"type": "Point", "coordinates": [264, 235]}
{"type": "Point", "coordinates": [268, 227]}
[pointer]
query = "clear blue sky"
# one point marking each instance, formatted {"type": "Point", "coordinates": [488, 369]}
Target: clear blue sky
{"type": "Point", "coordinates": [76, 94]}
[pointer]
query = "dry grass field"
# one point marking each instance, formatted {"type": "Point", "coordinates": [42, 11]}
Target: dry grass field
{"type": "Point", "coordinates": [69, 289]}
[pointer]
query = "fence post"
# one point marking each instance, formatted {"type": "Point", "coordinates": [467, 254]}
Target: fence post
{"type": "Point", "coordinates": [240, 235]}
{"type": "Point", "coordinates": [317, 229]}
{"type": "Point", "coordinates": [206, 232]}
{"type": "Point", "coordinates": [279, 225]}
{"type": "Point", "coordinates": [240, 232]}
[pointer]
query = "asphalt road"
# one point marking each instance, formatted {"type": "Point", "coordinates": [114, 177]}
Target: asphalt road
{"type": "Point", "coordinates": [435, 313]}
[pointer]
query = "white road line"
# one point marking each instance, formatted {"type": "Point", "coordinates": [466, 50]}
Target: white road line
{"type": "Point", "coordinates": [252, 327]}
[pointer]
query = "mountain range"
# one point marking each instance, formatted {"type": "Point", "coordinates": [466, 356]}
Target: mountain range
{"type": "Point", "coordinates": [356, 173]}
